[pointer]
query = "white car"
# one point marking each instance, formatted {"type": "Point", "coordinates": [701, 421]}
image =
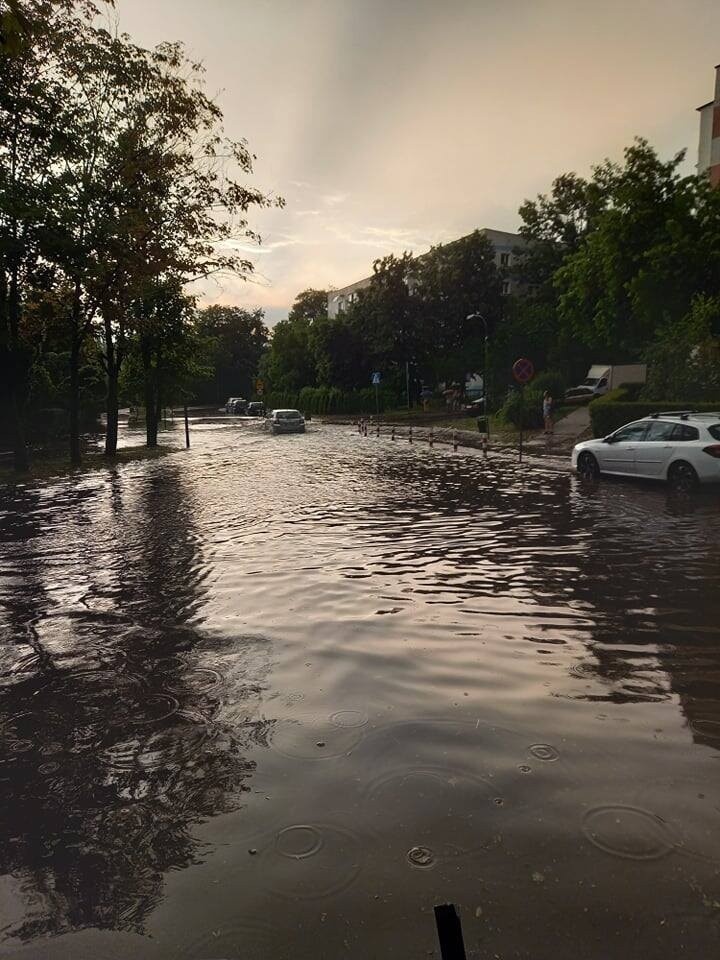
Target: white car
{"type": "Point", "coordinates": [680, 447]}
{"type": "Point", "coordinates": [285, 421]}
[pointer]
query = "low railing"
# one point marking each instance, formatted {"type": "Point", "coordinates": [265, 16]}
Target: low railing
{"type": "Point", "coordinates": [430, 435]}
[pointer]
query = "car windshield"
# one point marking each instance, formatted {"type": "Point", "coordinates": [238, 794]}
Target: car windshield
{"type": "Point", "coordinates": [715, 431]}
{"type": "Point", "coordinates": [590, 381]}
{"type": "Point", "coordinates": [287, 415]}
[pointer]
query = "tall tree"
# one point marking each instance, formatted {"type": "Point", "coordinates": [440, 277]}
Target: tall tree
{"type": "Point", "coordinates": [32, 98]}
{"type": "Point", "coordinates": [237, 340]}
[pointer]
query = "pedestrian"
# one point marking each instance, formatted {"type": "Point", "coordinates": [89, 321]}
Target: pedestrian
{"type": "Point", "coordinates": [547, 412]}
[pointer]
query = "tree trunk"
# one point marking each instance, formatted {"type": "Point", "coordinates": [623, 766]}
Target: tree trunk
{"type": "Point", "coordinates": [21, 461]}
{"type": "Point", "coordinates": [75, 346]}
{"type": "Point", "coordinates": [111, 404]}
{"type": "Point", "coordinates": [17, 378]}
{"type": "Point", "coordinates": [151, 424]}
{"type": "Point", "coordinates": [75, 454]}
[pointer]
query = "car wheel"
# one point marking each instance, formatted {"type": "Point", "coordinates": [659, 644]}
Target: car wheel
{"type": "Point", "coordinates": [587, 466]}
{"type": "Point", "coordinates": [682, 477]}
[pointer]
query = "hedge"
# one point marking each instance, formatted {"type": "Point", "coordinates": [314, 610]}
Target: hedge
{"type": "Point", "coordinates": [613, 411]}
{"type": "Point", "coordinates": [330, 401]}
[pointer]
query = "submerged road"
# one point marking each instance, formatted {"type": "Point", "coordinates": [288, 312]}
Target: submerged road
{"type": "Point", "coordinates": [275, 697]}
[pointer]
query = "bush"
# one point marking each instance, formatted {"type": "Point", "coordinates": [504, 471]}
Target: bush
{"type": "Point", "coordinates": [330, 401]}
{"type": "Point", "coordinates": [527, 410]}
{"type": "Point", "coordinates": [553, 382]}
{"type": "Point", "coordinates": [612, 411]}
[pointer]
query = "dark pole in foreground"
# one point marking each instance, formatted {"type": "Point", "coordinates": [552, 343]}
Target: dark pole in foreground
{"type": "Point", "coordinates": [522, 417]}
{"type": "Point", "coordinates": [187, 428]}
{"type": "Point", "coordinates": [407, 382]}
{"type": "Point", "coordinates": [449, 928]}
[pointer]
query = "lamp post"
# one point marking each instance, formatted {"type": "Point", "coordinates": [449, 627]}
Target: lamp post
{"type": "Point", "coordinates": [479, 316]}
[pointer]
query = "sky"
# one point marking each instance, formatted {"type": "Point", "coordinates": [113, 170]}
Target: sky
{"type": "Point", "coordinates": [391, 125]}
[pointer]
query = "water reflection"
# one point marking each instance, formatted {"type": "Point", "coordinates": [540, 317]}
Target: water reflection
{"type": "Point", "coordinates": [119, 713]}
{"type": "Point", "coordinates": [488, 684]}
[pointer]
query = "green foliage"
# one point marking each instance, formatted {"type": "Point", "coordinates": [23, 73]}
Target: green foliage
{"type": "Point", "coordinates": [331, 401]}
{"type": "Point", "coordinates": [309, 305]}
{"type": "Point", "coordinates": [685, 359]}
{"type": "Point", "coordinates": [551, 380]}
{"type": "Point", "coordinates": [525, 411]}
{"type": "Point", "coordinates": [614, 410]}
{"type": "Point", "coordinates": [236, 341]}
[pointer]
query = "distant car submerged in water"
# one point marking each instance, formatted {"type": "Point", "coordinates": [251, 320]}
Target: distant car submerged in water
{"type": "Point", "coordinates": [285, 421]}
{"type": "Point", "coordinates": [255, 409]}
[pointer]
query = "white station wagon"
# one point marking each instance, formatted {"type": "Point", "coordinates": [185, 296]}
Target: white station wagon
{"type": "Point", "coordinates": [681, 447]}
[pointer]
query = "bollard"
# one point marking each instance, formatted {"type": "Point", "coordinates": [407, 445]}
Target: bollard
{"type": "Point", "coordinates": [377, 432]}
{"type": "Point", "coordinates": [392, 436]}
{"type": "Point", "coordinates": [455, 443]}
{"type": "Point", "coordinates": [410, 435]}
{"type": "Point", "coordinates": [485, 447]}
{"type": "Point", "coordinates": [432, 437]}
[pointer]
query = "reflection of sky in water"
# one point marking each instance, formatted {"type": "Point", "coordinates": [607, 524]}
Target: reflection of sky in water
{"type": "Point", "coordinates": [512, 681]}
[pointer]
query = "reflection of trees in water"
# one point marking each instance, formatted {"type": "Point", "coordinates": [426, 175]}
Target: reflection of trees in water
{"type": "Point", "coordinates": [125, 725]}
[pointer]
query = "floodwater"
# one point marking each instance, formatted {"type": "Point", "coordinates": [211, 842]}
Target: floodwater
{"type": "Point", "coordinates": [276, 697]}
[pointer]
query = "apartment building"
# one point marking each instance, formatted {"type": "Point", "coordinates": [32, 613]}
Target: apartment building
{"type": "Point", "coordinates": [709, 147]}
{"type": "Point", "coordinates": [505, 245]}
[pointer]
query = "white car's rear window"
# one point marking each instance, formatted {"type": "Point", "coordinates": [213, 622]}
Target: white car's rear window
{"type": "Point", "coordinates": [287, 415]}
{"type": "Point", "coordinates": [715, 430]}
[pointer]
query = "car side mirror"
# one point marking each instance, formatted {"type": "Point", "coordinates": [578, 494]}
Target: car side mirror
{"type": "Point", "coordinates": [609, 439]}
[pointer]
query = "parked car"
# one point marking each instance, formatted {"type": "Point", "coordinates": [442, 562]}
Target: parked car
{"type": "Point", "coordinates": [235, 405]}
{"type": "Point", "coordinates": [285, 421]}
{"type": "Point", "coordinates": [682, 448]}
{"type": "Point", "coordinates": [602, 377]}
{"type": "Point", "coordinates": [239, 407]}
{"type": "Point", "coordinates": [255, 409]}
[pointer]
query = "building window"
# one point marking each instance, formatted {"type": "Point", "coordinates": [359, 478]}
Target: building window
{"type": "Point", "coordinates": [504, 259]}
{"type": "Point", "coordinates": [506, 287]}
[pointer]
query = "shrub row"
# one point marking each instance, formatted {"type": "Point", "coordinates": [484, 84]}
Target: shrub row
{"type": "Point", "coordinates": [612, 411]}
{"type": "Point", "coordinates": [329, 401]}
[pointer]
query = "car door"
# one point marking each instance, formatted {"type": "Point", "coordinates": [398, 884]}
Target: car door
{"type": "Point", "coordinates": [617, 453]}
{"type": "Point", "coordinates": [655, 449]}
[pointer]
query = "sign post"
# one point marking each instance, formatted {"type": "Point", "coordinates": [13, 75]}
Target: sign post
{"type": "Point", "coordinates": [376, 383]}
{"type": "Point", "coordinates": [523, 371]}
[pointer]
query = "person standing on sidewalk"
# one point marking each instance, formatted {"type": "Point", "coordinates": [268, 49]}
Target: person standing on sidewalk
{"type": "Point", "coordinates": [547, 413]}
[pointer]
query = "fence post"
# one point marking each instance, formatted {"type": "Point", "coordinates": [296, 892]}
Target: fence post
{"type": "Point", "coordinates": [392, 437]}
{"type": "Point", "coordinates": [432, 436]}
{"type": "Point", "coordinates": [410, 435]}
{"type": "Point", "coordinates": [455, 444]}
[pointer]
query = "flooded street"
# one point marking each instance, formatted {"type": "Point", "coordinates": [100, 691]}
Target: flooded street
{"type": "Point", "coordinates": [275, 697]}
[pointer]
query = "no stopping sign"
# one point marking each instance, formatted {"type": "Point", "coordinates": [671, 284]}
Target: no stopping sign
{"type": "Point", "coordinates": [523, 370]}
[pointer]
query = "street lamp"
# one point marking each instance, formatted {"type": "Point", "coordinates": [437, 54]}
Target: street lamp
{"type": "Point", "coordinates": [479, 316]}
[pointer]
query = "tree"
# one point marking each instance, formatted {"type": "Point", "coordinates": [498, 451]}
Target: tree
{"type": "Point", "coordinates": [309, 305]}
{"type": "Point", "coordinates": [452, 282]}
{"type": "Point", "coordinates": [613, 290]}
{"type": "Point", "coordinates": [237, 339]}
{"type": "Point", "coordinates": [289, 363]}
{"type": "Point", "coordinates": [167, 353]}
{"type": "Point", "coordinates": [684, 361]}
{"type": "Point", "coordinates": [32, 97]}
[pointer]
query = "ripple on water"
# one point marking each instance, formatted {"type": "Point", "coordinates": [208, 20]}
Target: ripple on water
{"type": "Point", "coordinates": [311, 861]}
{"type": "Point", "coordinates": [629, 832]}
{"type": "Point", "coordinates": [299, 842]}
{"type": "Point", "coordinates": [308, 738]}
{"type": "Point", "coordinates": [447, 811]}
{"type": "Point", "coordinates": [348, 718]}
{"type": "Point", "coordinates": [545, 752]}
{"type": "Point", "coordinates": [421, 857]}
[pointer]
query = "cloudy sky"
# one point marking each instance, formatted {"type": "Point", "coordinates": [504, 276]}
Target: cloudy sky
{"type": "Point", "coordinates": [393, 124]}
